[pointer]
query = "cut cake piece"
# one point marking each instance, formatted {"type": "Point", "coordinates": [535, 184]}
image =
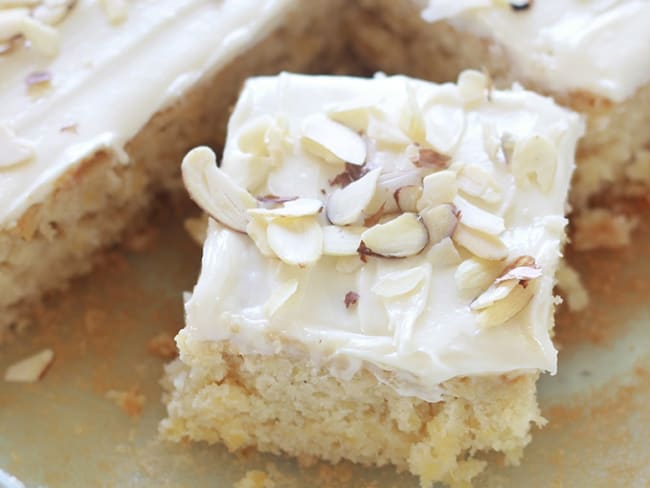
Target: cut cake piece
{"type": "Point", "coordinates": [97, 110]}
{"type": "Point", "coordinates": [591, 56]}
{"type": "Point", "coordinates": [377, 277]}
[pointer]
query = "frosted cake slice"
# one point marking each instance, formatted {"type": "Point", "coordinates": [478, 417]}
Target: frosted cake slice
{"type": "Point", "coordinates": [377, 278]}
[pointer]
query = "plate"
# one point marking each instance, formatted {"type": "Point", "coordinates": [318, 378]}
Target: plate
{"type": "Point", "coordinates": [67, 430]}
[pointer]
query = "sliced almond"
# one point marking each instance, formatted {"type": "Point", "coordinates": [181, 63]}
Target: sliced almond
{"type": "Point", "coordinates": [440, 221]}
{"type": "Point", "coordinates": [476, 273]}
{"type": "Point", "coordinates": [30, 369]}
{"type": "Point", "coordinates": [534, 159]}
{"type": "Point", "coordinates": [403, 236]}
{"type": "Point", "coordinates": [252, 136]}
{"type": "Point", "coordinates": [411, 120]}
{"type": "Point", "coordinates": [494, 293]}
{"type": "Point", "coordinates": [521, 269]}
{"type": "Point", "coordinates": [399, 282]}
{"type": "Point", "coordinates": [438, 188]}
{"type": "Point", "coordinates": [444, 253]}
{"type": "Point", "coordinates": [280, 296]}
{"type": "Point", "coordinates": [407, 198]}
{"type": "Point", "coordinates": [479, 243]}
{"type": "Point", "coordinates": [391, 181]}
{"type": "Point", "coordinates": [215, 191]}
{"type": "Point", "coordinates": [256, 230]}
{"type": "Point", "coordinates": [505, 309]}
{"type": "Point", "coordinates": [341, 241]}
{"type": "Point", "coordinates": [355, 114]}
{"type": "Point", "coordinates": [472, 86]}
{"type": "Point", "coordinates": [43, 38]}
{"type": "Point", "coordinates": [13, 150]}
{"type": "Point", "coordinates": [296, 241]}
{"type": "Point", "coordinates": [476, 181]}
{"type": "Point", "coordinates": [386, 135]}
{"type": "Point", "coordinates": [331, 141]}
{"type": "Point", "coordinates": [479, 219]}
{"type": "Point", "coordinates": [346, 205]}
{"type": "Point", "coordinates": [445, 124]}
{"type": "Point", "coordinates": [299, 207]}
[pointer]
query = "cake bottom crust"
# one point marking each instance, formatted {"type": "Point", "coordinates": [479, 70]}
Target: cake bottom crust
{"type": "Point", "coordinates": [286, 405]}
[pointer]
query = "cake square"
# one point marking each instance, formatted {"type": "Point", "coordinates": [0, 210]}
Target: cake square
{"type": "Point", "coordinates": [378, 272]}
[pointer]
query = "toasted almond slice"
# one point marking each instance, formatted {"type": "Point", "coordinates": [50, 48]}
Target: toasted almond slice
{"type": "Point", "coordinates": [346, 205]}
{"type": "Point", "coordinates": [476, 181]}
{"type": "Point", "coordinates": [256, 230]}
{"type": "Point", "coordinates": [215, 191]}
{"type": "Point", "coordinates": [438, 188]}
{"type": "Point", "coordinates": [296, 241]}
{"type": "Point", "coordinates": [403, 236]}
{"type": "Point", "coordinates": [300, 207]}
{"type": "Point", "coordinates": [407, 197]}
{"type": "Point", "coordinates": [478, 219]}
{"type": "Point", "coordinates": [440, 221]}
{"type": "Point", "coordinates": [389, 182]}
{"type": "Point", "coordinates": [13, 150]}
{"type": "Point", "coordinates": [331, 141]}
{"type": "Point", "coordinates": [30, 369]}
{"type": "Point", "coordinates": [521, 273]}
{"type": "Point", "coordinates": [480, 244]}
{"type": "Point", "coordinates": [280, 296]}
{"type": "Point", "coordinates": [341, 241]}
{"type": "Point", "coordinates": [476, 273]}
{"type": "Point", "coordinates": [494, 293]}
{"type": "Point", "coordinates": [535, 159]}
{"type": "Point", "coordinates": [399, 282]}
{"type": "Point", "coordinates": [505, 309]}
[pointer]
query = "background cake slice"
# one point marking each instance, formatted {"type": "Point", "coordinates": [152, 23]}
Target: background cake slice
{"type": "Point", "coordinates": [377, 278]}
{"type": "Point", "coordinates": [98, 106]}
{"type": "Point", "coordinates": [589, 56]}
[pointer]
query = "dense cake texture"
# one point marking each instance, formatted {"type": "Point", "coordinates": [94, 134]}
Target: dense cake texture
{"type": "Point", "coordinates": [586, 54]}
{"type": "Point", "coordinates": [377, 277]}
{"type": "Point", "coordinates": [91, 131]}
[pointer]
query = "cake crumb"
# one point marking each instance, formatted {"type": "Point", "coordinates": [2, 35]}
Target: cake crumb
{"type": "Point", "coordinates": [130, 401]}
{"type": "Point", "coordinates": [163, 346]}
{"type": "Point", "coordinates": [143, 240]}
{"type": "Point", "coordinates": [574, 291]}
{"type": "Point", "coordinates": [602, 229]}
{"type": "Point", "coordinates": [255, 479]}
{"type": "Point", "coordinates": [197, 228]}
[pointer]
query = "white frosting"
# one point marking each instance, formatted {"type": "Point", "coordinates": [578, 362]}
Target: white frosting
{"type": "Point", "coordinates": [599, 46]}
{"type": "Point", "coordinates": [426, 336]}
{"type": "Point", "coordinates": [108, 80]}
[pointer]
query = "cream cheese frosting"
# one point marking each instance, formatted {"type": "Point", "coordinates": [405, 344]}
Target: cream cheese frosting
{"type": "Point", "coordinates": [597, 46]}
{"type": "Point", "coordinates": [280, 277]}
{"type": "Point", "coordinates": [111, 70]}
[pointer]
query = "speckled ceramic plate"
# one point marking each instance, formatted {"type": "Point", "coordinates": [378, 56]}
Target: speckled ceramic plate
{"type": "Point", "coordinates": [64, 431]}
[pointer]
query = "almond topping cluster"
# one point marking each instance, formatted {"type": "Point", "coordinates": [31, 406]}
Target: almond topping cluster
{"type": "Point", "coordinates": [370, 211]}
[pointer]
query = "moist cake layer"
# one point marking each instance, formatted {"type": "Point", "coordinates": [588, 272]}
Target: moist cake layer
{"type": "Point", "coordinates": [106, 133]}
{"type": "Point", "coordinates": [377, 277]}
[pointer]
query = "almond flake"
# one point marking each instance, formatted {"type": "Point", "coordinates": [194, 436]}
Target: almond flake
{"type": "Point", "coordinates": [280, 296]}
{"type": "Point", "coordinates": [503, 310]}
{"type": "Point", "coordinates": [300, 207]}
{"type": "Point", "coordinates": [38, 78]}
{"type": "Point", "coordinates": [341, 241]}
{"type": "Point", "coordinates": [494, 293]}
{"type": "Point", "coordinates": [52, 12]}
{"type": "Point", "coordinates": [352, 173]}
{"type": "Point", "coordinates": [445, 125]}
{"type": "Point", "coordinates": [440, 221]}
{"type": "Point", "coordinates": [438, 188]}
{"type": "Point", "coordinates": [478, 219]}
{"type": "Point", "coordinates": [115, 10]}
{"type": "Point", "coordinates": [355, 114]}
{"type": "Point", "coordinates": [411, 120]}
{"type": "Point", "coordinates": [333, 142]}
{"type": "Point", "coordinates": [400, 237]}
{"type": "Point", "coordinates": [444, 253]}
{"type": "Point", "coordinates": [475, 273]}
{"type": "Point", "coordinates": [479, 243]}
{"type": "Point", "coordinates": [430, 158]}
{"type": "Point", "coordinates": [296, 241]}
{"type": "Point", "coordinates": [476, 181]}
{"type": "Point", "coordinates": [472, 86]}
{"type": "Point", "coordinates": [407, 197]}
{"type": "Point", "coordinates": [522, 269]}
{"type": "Point", "coordinates": [534, 159]}
{"type": "Point", "coordinates": [43, 38]}
{"type": "Point", "coordinates": [215, 191]}
{"type": "Point", "coordinates": [376, 217]}
{"type": "Point", "coordinates": [399, 282]}
{"type": "Point", "coordinates": [30, 369]}
{"type": "Point", "coordinates": [256, 230]}
{"type": "Point", "coordinates": [346, 205]}
{"type": "Point", "coordinates": [386, 135]}
{"type": "Point", "coordinates": [274, 199]}
{"type": "Point", "coordinates": [13, 150]}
